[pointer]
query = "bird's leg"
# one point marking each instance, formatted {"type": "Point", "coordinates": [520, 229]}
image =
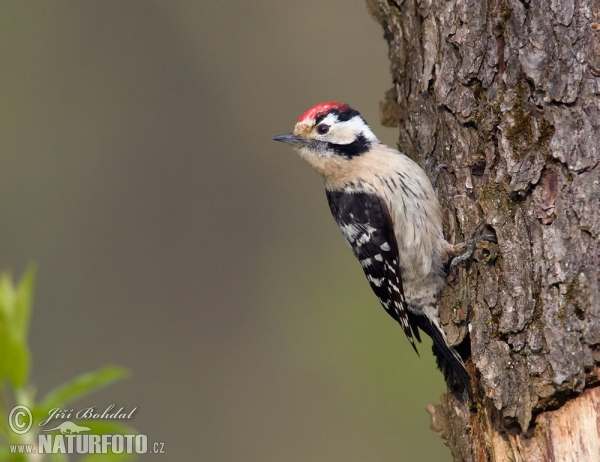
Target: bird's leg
{"type": "Point", "coordinates": [465, 249]}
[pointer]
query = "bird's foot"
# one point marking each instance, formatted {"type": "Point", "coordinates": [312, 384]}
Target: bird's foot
{"type": "Point", "coordinates": [465, 249]}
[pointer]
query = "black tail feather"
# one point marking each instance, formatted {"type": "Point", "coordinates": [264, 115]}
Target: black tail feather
{"type": "Point", "coordinates": [448, 359]}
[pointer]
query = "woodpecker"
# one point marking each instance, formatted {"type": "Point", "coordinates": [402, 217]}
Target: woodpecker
{"type": "Point", "coordinates": [390, 216]}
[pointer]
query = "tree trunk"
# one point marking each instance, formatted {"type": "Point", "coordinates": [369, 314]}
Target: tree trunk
{"type": "Point", "coordinates": [506, 93]}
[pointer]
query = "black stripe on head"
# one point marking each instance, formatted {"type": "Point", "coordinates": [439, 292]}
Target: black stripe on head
{"type": "Point", "coordinates": [348, 114]}
{"type": "Point", "coordinates": [320, 118]}
{"type": "Point", "coordinates": [359, 146]}
{"type": "Point", "coordinates": [343, 116]}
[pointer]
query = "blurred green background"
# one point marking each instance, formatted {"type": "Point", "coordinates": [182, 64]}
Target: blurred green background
{"type": "Point", "coordinates": [174, 238]}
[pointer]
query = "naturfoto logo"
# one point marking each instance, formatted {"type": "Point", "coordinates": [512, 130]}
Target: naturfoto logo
{"type": "Point", "coordinates": [69, 437]}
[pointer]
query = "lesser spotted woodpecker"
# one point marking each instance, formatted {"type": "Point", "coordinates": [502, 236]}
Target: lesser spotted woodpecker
{"type": "Point", "coordinates": [390, 216]}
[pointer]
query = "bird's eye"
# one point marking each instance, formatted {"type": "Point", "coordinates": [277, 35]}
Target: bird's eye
{"type": "Point", "coordinates": [322, 129]}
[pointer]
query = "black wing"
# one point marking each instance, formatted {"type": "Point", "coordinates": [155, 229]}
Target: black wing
{"type": "Point", "coordinates": [367, 226]}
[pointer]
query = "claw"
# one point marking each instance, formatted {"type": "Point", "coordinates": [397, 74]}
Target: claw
{"type": "Point", "coordinates": [468, 247]}
{"type": "Point", "coordinates": [428, 162]}
{"type": "Point", "coordinates": [434, 172]}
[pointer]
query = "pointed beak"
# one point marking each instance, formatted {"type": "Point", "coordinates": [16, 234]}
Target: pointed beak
{"type": "Point", "coordinates": [289, 138]}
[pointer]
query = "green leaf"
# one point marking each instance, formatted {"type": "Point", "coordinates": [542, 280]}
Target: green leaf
{"type": "Point", "coordinates": [15, 315]}
{"type": "Point", "coordinates": [7, 295]}
{"type": "Point", "coordinates": [106, 427]}
{"type": "Point", "coordinates": [6, 343]}
{"type": "Point", "coordinates": [80, 386]}
{"type": "Point", "coordinates": [23, 302]}
{"type": "Point", "coordinates": [17, 366]}
{"type": "Point", "coordinates": [8, 456]}
{"type": "Point", "coordinates": [5, 453]}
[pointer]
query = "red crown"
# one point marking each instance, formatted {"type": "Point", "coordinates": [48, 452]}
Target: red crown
{"type": "Point", "coordinates": [322, 108]}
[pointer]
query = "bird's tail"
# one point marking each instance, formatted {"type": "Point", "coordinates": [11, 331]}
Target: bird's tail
{"type": "Point", "coordinates": [448, 360]}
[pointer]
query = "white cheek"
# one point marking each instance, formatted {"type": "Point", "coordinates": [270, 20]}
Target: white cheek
{"type": "Point", "coordinates": [340, 136]}
{"type": "Point", "coordinates": [357, 125]}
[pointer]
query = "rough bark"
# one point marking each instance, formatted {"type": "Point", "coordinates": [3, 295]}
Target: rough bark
{"type": "Point", "coordinates": [506, 92]}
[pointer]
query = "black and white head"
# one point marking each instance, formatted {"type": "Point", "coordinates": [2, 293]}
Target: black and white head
{"type": "Point", "coordinates": [329, 133]}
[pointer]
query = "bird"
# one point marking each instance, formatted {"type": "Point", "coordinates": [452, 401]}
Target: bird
{"type": "Point", "coordinates": [390, 215]}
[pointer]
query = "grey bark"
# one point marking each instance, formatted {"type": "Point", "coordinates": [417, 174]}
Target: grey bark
{"type": "Point", "coordinates": [507, 93]}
